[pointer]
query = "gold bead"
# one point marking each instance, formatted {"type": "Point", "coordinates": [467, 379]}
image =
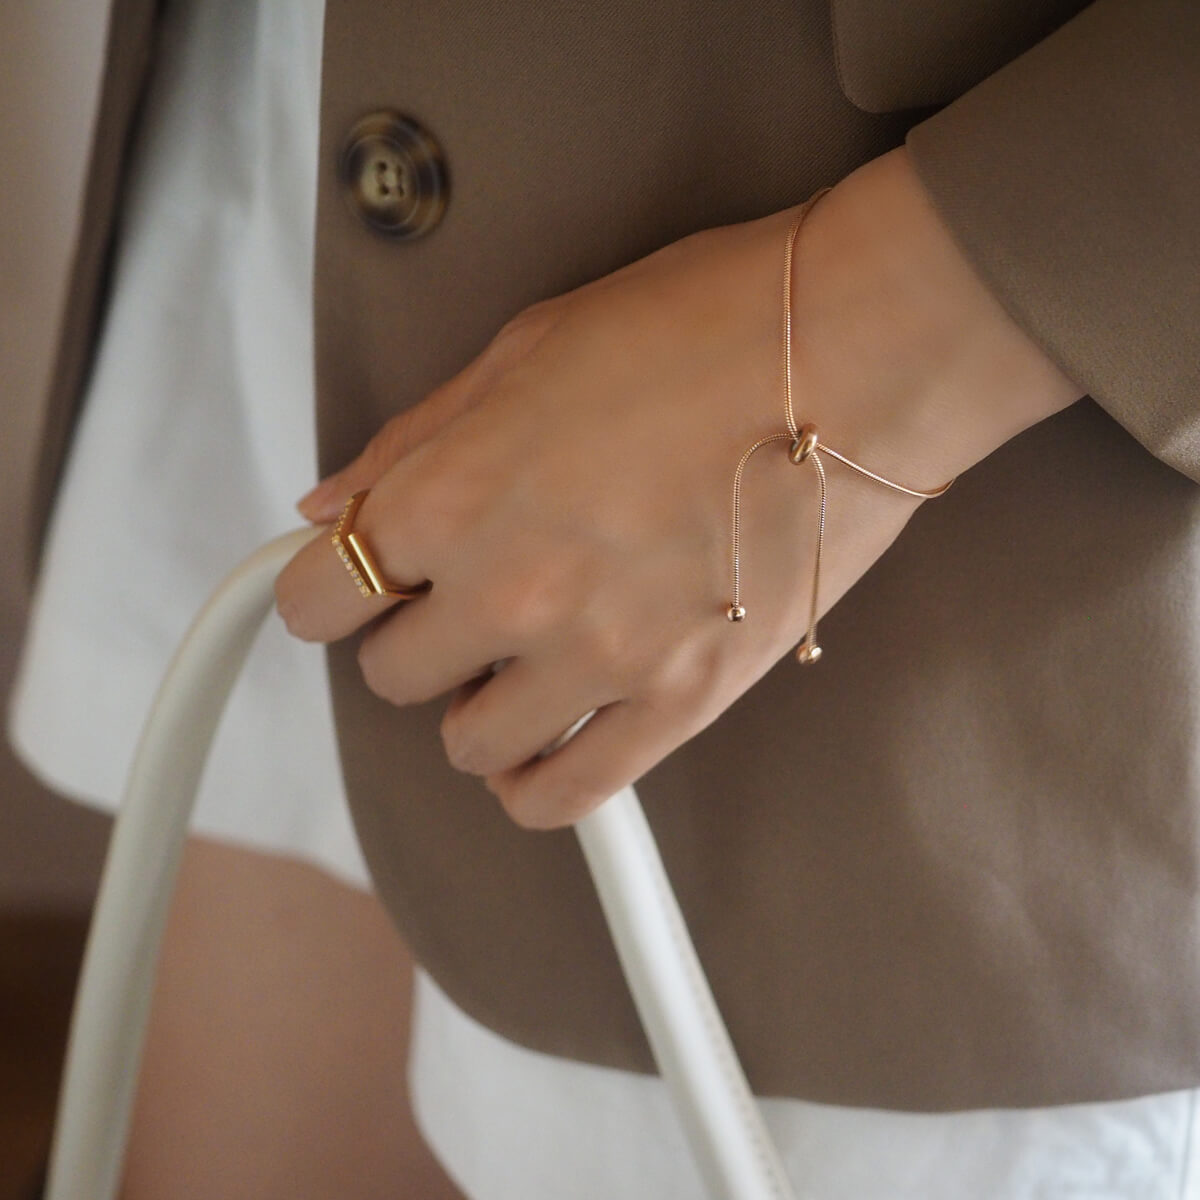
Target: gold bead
{"type": "Point", "coordinates": [805, 444]}
{"type": "Point", "coordinates": [736, 613]}
{"type": "Point", "coordinates": [807, 654]}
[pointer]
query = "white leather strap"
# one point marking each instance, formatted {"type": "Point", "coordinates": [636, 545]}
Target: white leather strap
{"type": "Point", "coordinates": [689, 1040]}
{"type": "Point", "coordinates": [729, 1140]}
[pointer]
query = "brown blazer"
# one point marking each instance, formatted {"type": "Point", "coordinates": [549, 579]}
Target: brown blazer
{"type": "Point", "coordinates": [982, 888]}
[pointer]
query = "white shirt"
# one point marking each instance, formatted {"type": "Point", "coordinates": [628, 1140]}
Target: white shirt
{"type": "Point", "coordinates": [195, 442]}
{"type": "Point", "coordinates": [196, 439]}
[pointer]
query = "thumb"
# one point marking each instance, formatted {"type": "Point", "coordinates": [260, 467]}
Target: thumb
{"type": "Point", "coordinates": [424, 420]}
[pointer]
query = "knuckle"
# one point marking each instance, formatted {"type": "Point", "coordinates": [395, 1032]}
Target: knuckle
{"type": "Point", "coordinates": [532, 601]}
{"type": "Point", "coordinates": [374, 668]}
{"type": "Point", "coordinates": [394, 440]}
{"type": "Point", "coordinates": [449, 491]}
{"type": "Point", "coordinates": [526, 812]}
{"type": "Point", "coordinates": [434, 510]}
{"type": "Point", "coordinates": [613, 644]}
{"type": "Point", "coordinates": [575, 807]}
{"type": "Point", "coordinates": [293, 615]}
{"type": "Point", "coordinates": [538, 808]}
{"type": "Point", "coordinates": [521, 331]}
{"type": "Point", "coordinates": [517, 337]}
{"type": "Point", "coordinates": [611, 651]}
{"type": "Point", "coordinates": [689, 674]}
{"type": "Point", "coordinates": [464, 751]}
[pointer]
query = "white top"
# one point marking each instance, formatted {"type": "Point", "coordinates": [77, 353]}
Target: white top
{"type": "Point", "coordinates": [195, 442]}
{"type": "Point", "coordinates": [197, 439]}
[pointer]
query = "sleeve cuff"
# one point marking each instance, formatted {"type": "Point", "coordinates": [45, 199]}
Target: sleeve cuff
{"type": "Point", "coordinates": [1071, 180]}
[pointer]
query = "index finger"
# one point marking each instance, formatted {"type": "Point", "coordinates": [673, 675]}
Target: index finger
{"type": "Point", "coordinates": [324, 593]}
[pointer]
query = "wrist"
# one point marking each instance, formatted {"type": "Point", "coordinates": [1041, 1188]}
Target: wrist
{"type": "Point", "coordinates": [903, 357]}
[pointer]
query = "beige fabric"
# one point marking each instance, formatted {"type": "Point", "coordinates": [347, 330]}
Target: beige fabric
{"type": "Point", "coordinates": [68, 92]}
{"type": "Point", "coordinates": [909, 53]}
{"type": "Point", "coordinates": [45, 134]}
{"type": "Point", "coordinates": [1072, 179]}
{"type": "Point", "coordinates": [982, 891]}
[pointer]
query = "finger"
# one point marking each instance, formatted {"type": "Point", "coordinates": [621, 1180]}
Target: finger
{"type": "Point", "coordinates": [505, 720]}
{"type": "Point", "coordinates": [428, 648]}
{"type": "Point", "coordinates": [317, 597]}
{"type": "Point", "coordinates": [616, 747]}
{"type": "Point", "coordinates": [425, 420]}
{"type": "Point", "coordinates": [398, 436]}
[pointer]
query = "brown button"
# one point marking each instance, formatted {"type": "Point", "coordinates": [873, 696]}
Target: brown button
{"type": "Point", "coordinates": [395, 175]}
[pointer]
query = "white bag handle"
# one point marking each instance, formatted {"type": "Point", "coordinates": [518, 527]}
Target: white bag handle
{"type": "Point", "coordinates": [690, 1043]}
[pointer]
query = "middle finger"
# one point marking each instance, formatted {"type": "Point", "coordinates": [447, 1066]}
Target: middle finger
{"type": "Point", "coordinates": [428, 647]}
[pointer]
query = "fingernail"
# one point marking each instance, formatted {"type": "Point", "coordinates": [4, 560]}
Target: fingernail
{"type": "Point", "coordinates": [323, 503]}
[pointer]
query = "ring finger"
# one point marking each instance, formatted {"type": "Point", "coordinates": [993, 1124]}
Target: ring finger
{"type": "Point", "coordinates": [429, 647]}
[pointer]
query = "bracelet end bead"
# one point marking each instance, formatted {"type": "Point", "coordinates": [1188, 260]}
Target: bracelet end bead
{"type": "Point", "coordinates": [807, 653]}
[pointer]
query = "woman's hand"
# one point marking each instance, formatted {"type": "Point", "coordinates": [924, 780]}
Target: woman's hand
{"type": "Point", "coordinates": [569, 494]}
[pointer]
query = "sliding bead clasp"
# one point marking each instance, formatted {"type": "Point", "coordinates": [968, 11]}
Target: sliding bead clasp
{"type": "Point", "coordinates": [805, 444]}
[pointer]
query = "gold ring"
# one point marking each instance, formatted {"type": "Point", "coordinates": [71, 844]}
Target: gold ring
{"type": "Point", "coordinates": [360, 562]}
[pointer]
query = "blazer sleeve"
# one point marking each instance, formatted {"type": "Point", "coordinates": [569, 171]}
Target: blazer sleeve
{"type": "Point", "coordinates": [1071, 180]}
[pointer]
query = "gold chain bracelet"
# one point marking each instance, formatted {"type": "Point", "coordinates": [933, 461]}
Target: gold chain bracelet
{"type": "Point", "coordinates": [805, 445]}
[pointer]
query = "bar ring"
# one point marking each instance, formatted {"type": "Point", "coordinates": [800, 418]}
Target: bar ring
{"type": "Point", "coordinates": [360, 562]}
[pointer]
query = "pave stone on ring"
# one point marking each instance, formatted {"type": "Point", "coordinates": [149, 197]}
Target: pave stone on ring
{"type": "Point", "coordinates": [360, 562]}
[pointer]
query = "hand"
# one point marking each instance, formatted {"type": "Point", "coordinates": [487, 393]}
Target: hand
{"type": "Point", "coordinates": [569, 493]}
